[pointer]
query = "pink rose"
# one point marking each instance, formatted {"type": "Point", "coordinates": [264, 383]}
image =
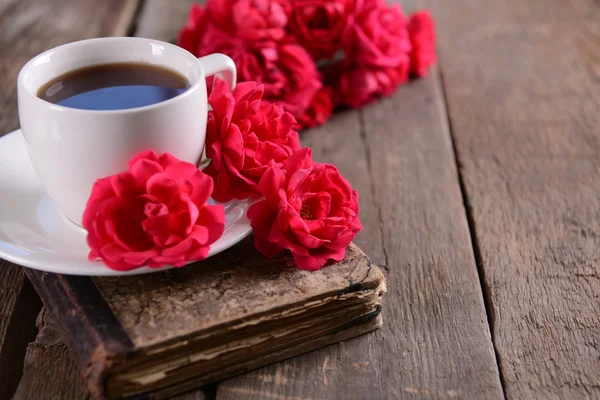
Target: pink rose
{"type": "Point", "coordinates": [251, 61]}
{"type": "Point", "coordinates": [379, 37]}
{"type": "Point", "coordinates": [319, 25]}
{"type": "Point", "coordinates": [243, 136]}
{"type": "Point", "coordinates": [286, 70]}
{"type": "Point", "coordinates": [288, 73]}
{"type": "Point", "coordinates": [363, 85]}
{"type": "Point", "coordinates": [421, 30]}
{"type": "Point", "coordinates": [309, 209]}
{"type": "Point", "coordinates": [201, 36]}
{"type": "Point", "coordinates": [294, 81]}
{"type": "Point", "coordinates": [154, 214]}
{"type": "Point", "coordinates": [250, 19]}
{"type": "Point", "coordinates": [246, 19]}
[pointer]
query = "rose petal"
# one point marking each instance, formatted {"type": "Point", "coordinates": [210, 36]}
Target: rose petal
{"type": "Point", "coordinates": [269, 185]}
{"type": "Point", "coordinates": [286, 240]}
{"type": "Point", "coordinates": [198, 253]}
{"type": "Point", "coordinates": [309, 241]}
{"type": "Point", "coordinates": [233, 147]}
{"type": "Point", "coordinates": [315, 261]}
{"type": "Point", "coordinates": [125, 185]}
{"type": "Point", "coordinates": [139, 258]}
{"type": "Point", "coordinates": [213, 219]}
{"type": "Point", "coordinates": [164, 187]}
{"type": "Point", "coordinates": [200, 185]}
{"type": "Point", "coordinates": [302, 159]}
{"type": "Point", "coordinates": [267, 248]}
{"type": "Point", "coordinates": [142, 169]}
{"type": "Point", "coordinates": [149, 155]}
{"type": "Point", "coordinates": [178, 250]}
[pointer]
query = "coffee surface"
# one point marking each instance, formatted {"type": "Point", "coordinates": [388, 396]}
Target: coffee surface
{"type": "Point", "coordinates": [115, 86]}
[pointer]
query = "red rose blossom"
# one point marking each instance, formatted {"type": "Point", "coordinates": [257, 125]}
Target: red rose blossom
{"type": "Point", "coordinates": [286, 70]}
{"type": "Point", "coordinates": [242, 137]}
{"type": "Point", "coordinates": [290, 77]}
{"type": "Point", "coordinates": [362, 85]}
{"type": "Point", "coordinates": [251, 61]}
{"type": "Point", "coordinates": [421, 30]}
{"type": "Point", "coordinates": [154, 214]}
{"type": "Point", "coordinates": [379, 37]}
{"type": "Point", "coordinates": [309, 209]}
{"type": "Point", "coordinates": [201, 36]}
{"type": "Point", "coordinates": [319, 110]}
{"type": "Point", "coordinates": [246, 19]}
{"type": "Point", "coordinates": [297, 72]}
{"type": "Point", "coordinates": [319, 25]}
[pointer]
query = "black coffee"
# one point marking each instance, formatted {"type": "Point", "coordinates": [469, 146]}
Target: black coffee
{"type": "Point", "coordinates": [114, 86]}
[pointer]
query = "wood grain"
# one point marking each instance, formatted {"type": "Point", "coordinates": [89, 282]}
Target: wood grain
{"type": "Point", "coordinates": [28, 28]}
{"type": "Point", "coordinates": [19, 306]}
{"type": "Point", "coordinates": [523, 86]}
{"type": "Point", "coordinates": [435, 341]}
{"type": "Point", "coordinates": [77, 306]}
{"type": "Point", "coordinates": [50, 372]}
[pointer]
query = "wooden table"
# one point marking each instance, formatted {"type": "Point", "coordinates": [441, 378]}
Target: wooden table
{"type": "Point", "coordinates": [480, 196]}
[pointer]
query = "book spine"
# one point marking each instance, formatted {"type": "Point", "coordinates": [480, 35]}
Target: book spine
{"type": "Point", "coordinates": [96, 337]}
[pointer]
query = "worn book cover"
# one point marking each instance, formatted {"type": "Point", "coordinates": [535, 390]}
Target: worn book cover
{"type": "Point", "coordinates": [163, 333]}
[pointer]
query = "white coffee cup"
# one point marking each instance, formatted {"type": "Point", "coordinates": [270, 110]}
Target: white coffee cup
{"type": "Point", "coordinates": [72, 148]}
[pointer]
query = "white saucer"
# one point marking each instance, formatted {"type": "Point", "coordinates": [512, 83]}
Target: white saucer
{"type": "Point", "coordinates": [35, 234]}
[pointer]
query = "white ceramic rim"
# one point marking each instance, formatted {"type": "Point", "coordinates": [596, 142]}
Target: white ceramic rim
{"type": "Point", "coordinates": [194, 86]}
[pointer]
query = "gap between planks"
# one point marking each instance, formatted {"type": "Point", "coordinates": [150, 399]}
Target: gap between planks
{"type": "Point", "coordinates": [525, 134]}
{"type": "Point", "coordinates": [489, 309]}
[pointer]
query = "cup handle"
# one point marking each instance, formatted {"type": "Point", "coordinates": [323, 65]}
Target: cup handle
{"type": "Point", "coordinates": [221, 65]}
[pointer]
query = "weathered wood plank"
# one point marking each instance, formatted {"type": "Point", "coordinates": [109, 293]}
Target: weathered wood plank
{"type": "Point", "coordinates": [28, 28]}
{"type": "Point", "coordinates": [523, 86]}
{"type": "Point", "coordinates": [435, 341]}
{"type": "Point", "coordinates": [50, 372]}
{"type": "Point", "coordinates": [18, 307]}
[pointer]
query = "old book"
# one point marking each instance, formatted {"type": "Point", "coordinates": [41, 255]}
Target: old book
{"type": "Point", "coordinates": [164, 333]}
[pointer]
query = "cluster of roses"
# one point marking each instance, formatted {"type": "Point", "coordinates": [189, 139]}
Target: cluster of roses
{"type": "Point", "coordinates": [364, 49]}
{"type": "Point", "coordinates": [157, 213]}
